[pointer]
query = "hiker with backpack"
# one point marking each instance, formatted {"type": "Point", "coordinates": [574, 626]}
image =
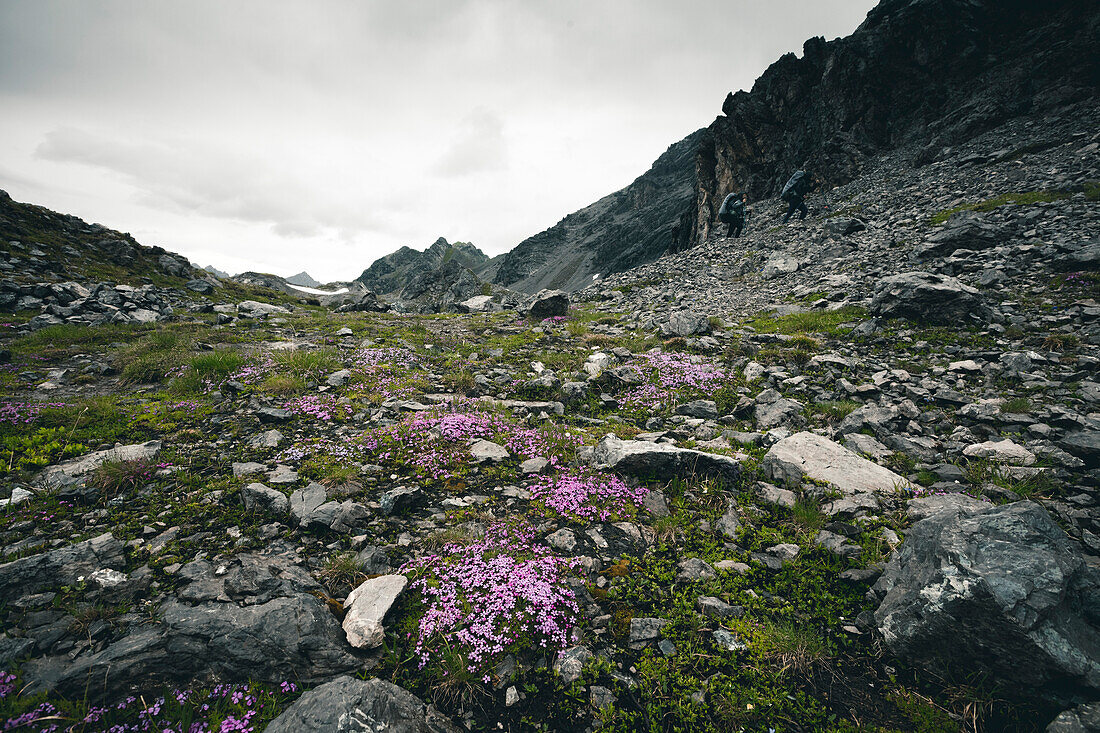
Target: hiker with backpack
{"type": "Point", "coordinates": [794, 193]}
{"type": "Point", "coordinates": [733, 213]}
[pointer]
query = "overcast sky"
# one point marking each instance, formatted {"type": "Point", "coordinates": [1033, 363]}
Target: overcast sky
{"type": "Point", "coordinates": [287, 136]}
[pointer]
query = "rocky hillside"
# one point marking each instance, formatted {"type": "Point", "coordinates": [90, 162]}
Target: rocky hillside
{"type": "Point", "coordinates": [627, 228]}
{"type": "Point", "coordinates": [391, 274]}
{"type": "Point", "coordinates": [838, 475]}
{"type": "Point", "coordinates": [924, 73]}
{"type": "Point", "coordinates": [39, 244]}
{"type": "Point", "coordinates": [929, 73]}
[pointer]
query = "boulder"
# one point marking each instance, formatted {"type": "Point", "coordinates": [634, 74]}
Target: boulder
{"type": "Point", "coordinates": [808, 455]}
{"type": "Point", "coordinates": [1001, 451]}
{"type": "Point", "coordinates": [257, 619]}
{"type": "Point", "coordinates": [258, 497]}
{"type": "Point", "coordinates": [349, 705]}
{"type": "Point", "coordinates": [999, 590]}
{"type": "Point", "coordinates": [661, 461]}
{"type": "Point", "coordinates": [255, 309]}
{"type": "Point", "coordinates": [965, 230]}
{"type": "Point", "coordinates": [686, 323]}
{"type": "Point", "coordinates": [304, 503]}
{"type": "Point", "coordinates": [548, 304]}
{"type": "Point", "coordinates": [476, 304]}
{"type": "Point", "coordinates": [778, 266]}
{"type": "Point", "coordinates": [929, 298]}
{"type": "Point", "coordinates": [843, 226]}
{"type": "Point", "coordinates": [367, 606]}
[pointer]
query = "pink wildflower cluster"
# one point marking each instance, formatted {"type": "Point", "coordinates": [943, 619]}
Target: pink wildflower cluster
{"type": "Point", "coordinates": [7, 684]}
{"type": "Point", "coordinates": [322, 407]}
{"type": "Point", "coordinates": [387, 370]}
{"type": "Point", "coordinates": [221, 709]}
{"type": "Point", "coordinates": [21, 413]}
{"type": "Point", "coordinates": [672, 377]}
{"type": "Point", "coordinates": [254, 373]}
{"type": "Point", "coordinates": [489, 598]}
{"type": "Point", "coordinates": [588, 495]}
{"type": "Point", "coordinates": [436, 440]}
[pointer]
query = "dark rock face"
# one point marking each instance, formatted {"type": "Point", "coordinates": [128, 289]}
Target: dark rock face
{"type": "Point", "coordinates": [549, 304]}
{"type": "Point", "coordinates": [922, 296]}
{"type": "Point", "coordinates": [345, 705]}
{"type": "Point", "coordinates": [59, 567]}
{"type": "Point", "coordinates": [41, 244]}
{"type": "Point", "coordinates": [396, 272]}
{"type": "Point", "coordinates": [257, 619]}
{"type": "Point", "coordinates": [914, 71]}
{"type": "Point", "coordinates": [440, 289]}
{"type": "Point", "coordinates": [1000, 590]}
{"type": "Point", "coordinates": [635, 225]}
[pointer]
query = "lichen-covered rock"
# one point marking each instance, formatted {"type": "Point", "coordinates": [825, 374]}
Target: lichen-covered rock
{"type": "Point", "coordinates": [999, 590]}
{"type": "Point", "coordinates": [349, 705]}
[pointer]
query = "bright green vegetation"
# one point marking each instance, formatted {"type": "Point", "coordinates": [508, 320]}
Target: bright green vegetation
{"type": "Point", "coordinates": [828, 323]}
{"type": "Point", "coordinates": [1021, 199]}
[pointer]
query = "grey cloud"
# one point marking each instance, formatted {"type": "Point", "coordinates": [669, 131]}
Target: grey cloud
{"type": "Point", "coordinates": [479, 146]}
{"type": "Point", "coordinates": [192, 177]}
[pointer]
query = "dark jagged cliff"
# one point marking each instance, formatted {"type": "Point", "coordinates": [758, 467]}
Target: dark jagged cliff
{"type": "Point", "coordinates": [620, 231]}
{"type": "Point", "coordinates": [392, 273]}
{"type": "Point", "coordinates": [928, 73]}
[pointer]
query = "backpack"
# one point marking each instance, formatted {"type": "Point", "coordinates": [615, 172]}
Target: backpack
{"type": "Point", "coordinates": [794, 186]}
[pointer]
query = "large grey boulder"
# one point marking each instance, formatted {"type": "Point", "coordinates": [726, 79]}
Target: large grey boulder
{"type": "Point", "coordinates": [686, 323]}
{"type": "Point", "coordinates": [1000, 590]}
{"type": "Point", "coordinates": [548, 304]}
{"type": "Point", "coordinates": [929, 298]}
{"type": "Point", "coordinates": [257, 618]}
{"type": "Point", "coordinates": [661, 461]}
{"type": "Point", "coordinates": [258, 497]}
{"type": "Point", "coordinates": [349, 705]}
{"type": "Point", "coordinates": [808, 455]}
{"type": "Point", "coordinates": [63, 566]}
{"type": "Point", "coordinates": [367, 606]}
{"type": "Point", "coordinates": [965, 230]}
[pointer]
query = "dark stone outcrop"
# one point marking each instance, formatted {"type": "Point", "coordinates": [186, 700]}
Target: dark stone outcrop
{"type": "Point", "coordinates": [1000, 590]}
{"type": "Point", "coordinates": [346, 704]}
{"type": "Point", "coordinates": [928, 298]}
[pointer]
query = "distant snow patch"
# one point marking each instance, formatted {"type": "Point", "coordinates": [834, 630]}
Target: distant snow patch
{"type": "Point", "coordinates": [315, 291]}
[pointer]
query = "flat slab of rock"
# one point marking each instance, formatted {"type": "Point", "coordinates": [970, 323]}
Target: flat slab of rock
{"type": "Point", "coordinates": [347, 704]}
{"type": "Point", "coordinates": [75, 470]}
{"type": "Point", "coordinates": [367, 606]}
{"type": "Point", "coordinates": [808, 455]}
{"type": "Point", "coordinates": [258, 497]}
{"type": "Point", "coordinates": [486, 451]}
{"type": "Point", "coordinates": [62, 566]}
{"type": "Point", "coordinates": [1001, 451]}
{"type": "Point", "coordinates": [662, 461]}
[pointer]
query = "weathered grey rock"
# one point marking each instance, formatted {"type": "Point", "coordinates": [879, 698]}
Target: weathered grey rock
{"type": "Point", "coordinates": [661, 461]}
{"type": "Point", "coordinates": [63, 566]}
{"type": "Point", "coordinates": [398, 499]}
{"type": "Point", "coordinates": [367, 606]}
{"type": "Point", "coordinates": [476, 304]}
{"type": "Point", "coordinates": [258, 497]}
{"type": "Point", "coordinates": [645, 630]}
{"type": "Point", "coordinates": [255, 309]}
{"type": "Point", "coordinates": [486, 451]}
{"type": "Point", "coordinates": [18, 496]}
{"type": "Point", "coordinates": [705, 409]}
{"type": "Point", "coordinates": [808, 455]}
{"type": "Point", "coordinates": [247, 469]}
{"type": "Point", "coordinates": [923, 296]}
{"type": "Point", "coordinates": [548, 304]}
{"type": "Point", "coordinates": [712, 607]}
{"type": "Point", "coordinates": [258, 621]}
{"type": "Point", "coordinates": [770, 494]}
{"type": "Point", "coordinates": [305, 502]}
{"type": "Point", "coordinates": [74, 472]}
{"type": "Point", "coordinates": [656, 504]}
{"type": "Point", "coordinates": [202, 287]}
{"type": "Point", "coordinates": [349, 705]}
{"type": "Point", "coordinates": [965, 230]}
{"type": "Point", "coordinates": [693, 569]}
{"type": "Point", "coordinates": [837, 544]}
{"type": "Point", "coordinates": [1083, 718]}
{"type": "Point", "coordinates": [782, 411]}
{"type": "Point", "coordinates": [729, 523]}
{"type": "Point", "coordinates": [778, 266]}
{"type": "Point", "coordinates": [267, 439]}
{"type": "Point", "coordinates": [1001, 451]}
{"type": "Point", "coordinates": [570, 663]}
{"type": "Point", "coordinates": [984, 589]}
{"type": "Point", "coordinates": [843, 226]}
{"type": "Point", "coordinates": [686, 323]}
{"type": "Point", "coordinates": [338, 378]}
